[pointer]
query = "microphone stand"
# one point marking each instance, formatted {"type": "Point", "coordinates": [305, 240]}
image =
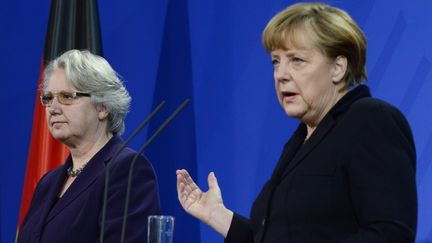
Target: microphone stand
{"type": "Point", "coordinates": [131, 168]}
{"type": "Point", "coordinates": [107, 175]}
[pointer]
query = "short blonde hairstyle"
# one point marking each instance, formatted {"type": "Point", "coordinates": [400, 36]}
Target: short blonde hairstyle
{"type": "Point", "coordinates": [330, 29]}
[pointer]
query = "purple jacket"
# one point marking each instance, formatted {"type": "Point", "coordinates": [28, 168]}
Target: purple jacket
{"type": "Point", "coordinates": [76, 216]}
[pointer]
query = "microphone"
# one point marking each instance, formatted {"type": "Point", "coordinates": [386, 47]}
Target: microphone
{"type": "Point", "coordinates": [131, 168]}
{"type": "Point", "coordinates": [116, 154]}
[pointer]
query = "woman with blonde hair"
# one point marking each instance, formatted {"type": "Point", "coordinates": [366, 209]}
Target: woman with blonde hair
{"type": "Point", "coordinates": [347, 174]}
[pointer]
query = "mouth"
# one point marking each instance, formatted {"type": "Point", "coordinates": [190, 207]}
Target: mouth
{"type": "Point", "coordinates": [287, 96]}
{"type": "Point", "coordinates": [54, 123]}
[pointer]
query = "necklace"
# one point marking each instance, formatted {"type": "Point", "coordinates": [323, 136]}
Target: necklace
{"type": "Point", "coordinates": [74, 173]}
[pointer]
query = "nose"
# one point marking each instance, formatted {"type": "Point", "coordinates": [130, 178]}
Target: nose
{"type": "Point", "coordinates": [54, 107]}
{"type": "Point", "coordinates": [282, 73]}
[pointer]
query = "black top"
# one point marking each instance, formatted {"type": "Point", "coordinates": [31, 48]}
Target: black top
{"type": "Point", "coordinates": [352, 181]}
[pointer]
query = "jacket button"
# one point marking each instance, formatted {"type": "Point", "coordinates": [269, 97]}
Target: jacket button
{"type": "Point", "coordinates": [263, 222]}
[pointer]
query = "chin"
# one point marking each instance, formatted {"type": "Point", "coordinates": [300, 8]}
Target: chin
{"type": "Point", "coordinates": [59, 136]}
{"type": "Point", "coordinates": [294, 113]}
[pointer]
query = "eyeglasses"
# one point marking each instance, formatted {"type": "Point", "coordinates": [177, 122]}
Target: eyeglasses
{"type": "Point", "coordinates": [63, 97]}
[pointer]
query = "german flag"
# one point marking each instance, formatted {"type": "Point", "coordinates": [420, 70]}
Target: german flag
{"type": "Point", "coordinates": [72, 24]}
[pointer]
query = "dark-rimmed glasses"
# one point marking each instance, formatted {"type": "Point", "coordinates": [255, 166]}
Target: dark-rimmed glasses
{"type": "Point", "coordinates": [63, 97]}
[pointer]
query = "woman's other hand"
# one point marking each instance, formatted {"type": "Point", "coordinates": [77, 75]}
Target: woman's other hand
{"type": "Point", "coordinates": [206, 206]}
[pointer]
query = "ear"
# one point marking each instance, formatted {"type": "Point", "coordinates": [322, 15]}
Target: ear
{"type": "Point", "coordinates": [102, 112]}
{"type": "Point", "coordinates": [339, 69]}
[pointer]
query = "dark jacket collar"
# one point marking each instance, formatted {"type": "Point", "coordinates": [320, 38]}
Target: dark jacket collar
{"type": "Point", "coordinates": [93, 169]}
{"type": "Point", "coordinates": [295, 150]}
{"type": "Point", "coordinates": [356, 93]}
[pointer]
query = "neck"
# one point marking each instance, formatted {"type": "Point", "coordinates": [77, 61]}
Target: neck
{"type": "Point", "coordinates": [83, 151]}
{"type": "Point", "coordinates": [313, 123]}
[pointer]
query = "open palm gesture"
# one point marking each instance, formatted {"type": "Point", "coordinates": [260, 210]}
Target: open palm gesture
{"type": "Point", "coordinates": [196, 202]}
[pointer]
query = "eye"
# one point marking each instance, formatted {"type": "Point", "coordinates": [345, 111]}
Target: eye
{"type": "Point", "coordinates": [67, 96]}
{"type": "Point", "coordinates": [275, 62]}
{"type": "Point", "coordinates": [47, 97]}
{"type": "Point", "coordinates": [297, 60]}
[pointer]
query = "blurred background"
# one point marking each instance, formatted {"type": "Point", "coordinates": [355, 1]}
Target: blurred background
{"type": "Point", "coordinates": [210, 52]}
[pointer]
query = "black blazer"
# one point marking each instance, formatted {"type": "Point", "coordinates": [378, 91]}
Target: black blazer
{"type": "Point", "coordinates": [76, 216]}
{"type": "Point", "coordinates": [352, 181]}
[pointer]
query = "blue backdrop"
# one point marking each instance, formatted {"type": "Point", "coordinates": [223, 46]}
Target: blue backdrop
{"type": "Point", "coordinates": [210, 51]}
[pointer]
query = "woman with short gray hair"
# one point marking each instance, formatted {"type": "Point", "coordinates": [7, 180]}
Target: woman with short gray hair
{"type": "Point", "coordinates": [86, 104]}
{"type": "Point", "coordinates": [93, 74]}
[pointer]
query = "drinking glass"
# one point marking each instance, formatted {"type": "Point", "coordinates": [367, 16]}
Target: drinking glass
{"type": "Point", "coordinates": [160, 229]}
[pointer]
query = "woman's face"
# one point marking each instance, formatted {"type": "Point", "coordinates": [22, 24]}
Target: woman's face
{"type": "Point", "coordinates": [75, 123]}
{"type": "Point", "coordinates": [306, 81]}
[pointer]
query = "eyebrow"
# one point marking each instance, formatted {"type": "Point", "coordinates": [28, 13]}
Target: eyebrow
{"type": "Point", "coordinates": [306, 53]}
{"type": "Point", "coordinates": [61, 91]}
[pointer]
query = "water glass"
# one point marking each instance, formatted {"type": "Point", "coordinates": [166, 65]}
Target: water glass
{"type": "Point", "coordinates": [160, 229]}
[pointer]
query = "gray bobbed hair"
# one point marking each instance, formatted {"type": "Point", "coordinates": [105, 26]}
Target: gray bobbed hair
{"type": "Point", "coordinates": [90, 73]}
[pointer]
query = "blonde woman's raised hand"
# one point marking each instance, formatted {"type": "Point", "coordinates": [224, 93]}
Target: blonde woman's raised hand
{"type": "Point", "coordinates": [206, 206]}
